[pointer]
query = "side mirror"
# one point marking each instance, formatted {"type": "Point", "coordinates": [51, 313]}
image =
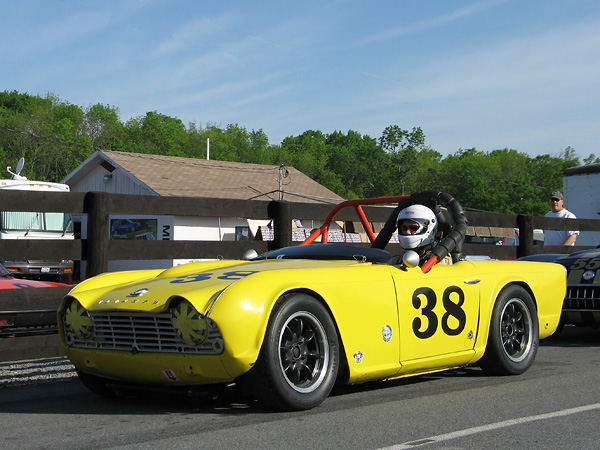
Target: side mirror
{"type": "Point", "coordinates": [250, 254]}
{"type": "Point", "coordinates": [410, 259]}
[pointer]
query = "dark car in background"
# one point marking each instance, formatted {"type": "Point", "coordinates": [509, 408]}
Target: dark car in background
{"type": "Point", "coordinates": [581, 306]}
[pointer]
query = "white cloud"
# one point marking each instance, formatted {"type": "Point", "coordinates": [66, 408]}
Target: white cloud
{"type": "Point", "coordinates": [431, 23]}
{"type": "Point", "coordinates": [194, 35]}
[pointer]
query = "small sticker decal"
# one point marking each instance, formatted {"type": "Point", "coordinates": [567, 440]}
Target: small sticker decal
{"type": "Point", "coordinates": [358, 357]}
{"type": "Point", "coordinates": [170, 375]}
{"type": "Point", "coordinates": [138, 293]}
{"type": "Point", "coordinates": [386, 333]}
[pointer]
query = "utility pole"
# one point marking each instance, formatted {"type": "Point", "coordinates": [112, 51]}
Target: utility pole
{"type": "Point", "coordinates": [283, 173]}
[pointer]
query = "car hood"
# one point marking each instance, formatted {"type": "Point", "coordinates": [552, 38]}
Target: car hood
{"type": "Point", "coordinates": [200, 283]}
{"type": "Point", "coordinates": [582, 267]}
{"type": "Point", "coordinates": [568, 260]}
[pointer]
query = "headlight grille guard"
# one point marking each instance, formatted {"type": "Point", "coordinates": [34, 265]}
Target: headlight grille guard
{"type": "Point", "coordinates": [139, 332]}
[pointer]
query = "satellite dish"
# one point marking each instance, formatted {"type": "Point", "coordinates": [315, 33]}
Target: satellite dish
{"type": "Point", "coordinates": [20, 165]}
{"type": "Point", "coordinates": [16, 176]}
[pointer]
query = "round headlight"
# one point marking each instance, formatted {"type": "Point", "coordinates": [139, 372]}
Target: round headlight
{"type": "Point", "coordinates": [78, 320]}
{"type": "Point", "coordinates": [190, 326]}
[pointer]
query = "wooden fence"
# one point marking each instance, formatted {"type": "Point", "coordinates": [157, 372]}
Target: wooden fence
{"type": "Point", "coordinates": [98, 249]}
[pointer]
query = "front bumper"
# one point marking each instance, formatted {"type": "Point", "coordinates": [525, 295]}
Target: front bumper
{"type": "Point", "coordinates": [158, 369]}
{"type": "Point", "coordinates": [40, 270]}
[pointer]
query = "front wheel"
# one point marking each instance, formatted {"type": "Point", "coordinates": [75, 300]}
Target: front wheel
{"type": "Point", "coordinates": [298, 362]}
{"type": "Point", "coordinates": [514, 334]}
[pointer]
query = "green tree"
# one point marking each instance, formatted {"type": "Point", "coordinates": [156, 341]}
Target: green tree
{"type": "Point", "coordinates": [55, 136]}
{"type": "Point", "coordinates": [308, 153]}
{"type": "Point", "coordinates": [411, 161]}
{"type": "Point", "coordinates": [43, 130]}
{"type": "Point", "coordinates": [103, 128]}
{"type": "Point", "coordinates": [356, 160]}
{"type": "Point", "coordinates": [156, 133]}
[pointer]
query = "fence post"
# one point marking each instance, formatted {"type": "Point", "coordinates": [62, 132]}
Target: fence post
{"type": "Point", "coordinates": [280, 212]}
{"type": "Point", "coordinates": [95, 204]}
{"type": "Point", "coordinates": [525, 247]}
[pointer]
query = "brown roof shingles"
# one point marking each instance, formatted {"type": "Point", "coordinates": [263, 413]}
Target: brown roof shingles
{"type": "Point", "coordinates": [189, 177]}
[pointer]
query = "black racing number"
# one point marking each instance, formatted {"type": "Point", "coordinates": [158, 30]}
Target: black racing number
{"type": "Point", "coordinates": [427, 311]}
{"type": "Point", "coordinates": [453, 310]}
{"type": "Point", "coordinates": [238, 274]}
{"type": "Point", "coordinates": [192, 278]}
{"type": "Point", "coordinates": [235, 275]}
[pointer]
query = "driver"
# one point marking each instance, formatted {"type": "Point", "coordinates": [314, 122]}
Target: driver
{"type": "Point", "coordinates": [417, 226]}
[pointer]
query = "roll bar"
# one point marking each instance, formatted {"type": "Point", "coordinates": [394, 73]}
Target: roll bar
{"type": "Point", "coordinates": [452, 237]}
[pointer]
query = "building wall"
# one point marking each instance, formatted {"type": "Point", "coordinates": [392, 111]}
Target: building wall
{"type": "Point", "coordinates": [118, 183]}
{"type": "Point", "coordinates": [582, 198]}
{"type": "Point", "coordinates": [207, 228]}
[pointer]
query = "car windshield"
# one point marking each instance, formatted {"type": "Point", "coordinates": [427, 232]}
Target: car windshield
{"type": "Point", "coordinates": [36, 221]}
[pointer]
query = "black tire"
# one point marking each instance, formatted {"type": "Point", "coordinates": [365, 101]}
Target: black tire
{"type": "Point", "coordinates": [97, 385]}
{"type": "Point", "coordinates": [514, 334]}
{"type": "Point", "coordinates": [299, 359]}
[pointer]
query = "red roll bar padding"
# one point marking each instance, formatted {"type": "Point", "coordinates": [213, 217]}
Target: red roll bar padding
{"type": "Point", "coordinates": [429, 264]}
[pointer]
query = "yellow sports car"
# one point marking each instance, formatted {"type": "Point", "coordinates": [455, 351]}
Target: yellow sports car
{"type": "Point", "coordinates": [289, 324]}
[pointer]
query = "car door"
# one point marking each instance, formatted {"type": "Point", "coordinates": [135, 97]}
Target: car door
{"type": "Point", "coordinates": [438, 312]}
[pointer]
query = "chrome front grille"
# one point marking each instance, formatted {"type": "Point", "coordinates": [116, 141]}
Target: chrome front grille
{"type": "Point", "coordinates": [143, 332]}
{"type": "Point", "coordinates": [582, 297]}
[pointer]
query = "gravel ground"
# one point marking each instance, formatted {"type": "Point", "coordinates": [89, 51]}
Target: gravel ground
{"type": "Point", "coordinates": [35, 371]}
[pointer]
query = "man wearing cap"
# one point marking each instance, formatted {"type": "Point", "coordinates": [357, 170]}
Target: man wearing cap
{"type": "Point", "coordinates": [556, 237]}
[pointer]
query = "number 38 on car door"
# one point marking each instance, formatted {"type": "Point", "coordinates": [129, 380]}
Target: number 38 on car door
{"type": "Point", "coordinates": [437, 317]}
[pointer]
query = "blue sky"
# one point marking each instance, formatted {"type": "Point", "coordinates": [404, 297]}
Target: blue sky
{"type": "Point", "coordinates": [488, 74]}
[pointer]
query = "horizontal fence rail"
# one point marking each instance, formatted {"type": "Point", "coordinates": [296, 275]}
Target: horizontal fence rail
{"type": "Point", "coordinates": [30, 314]}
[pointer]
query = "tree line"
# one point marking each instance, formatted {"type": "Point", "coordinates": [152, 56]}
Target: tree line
{"type": "Point", "coordinates": [55, 136]}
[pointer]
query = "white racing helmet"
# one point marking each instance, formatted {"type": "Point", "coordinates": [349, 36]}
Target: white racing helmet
{"type": "Point", "coordinates": [425, 234]}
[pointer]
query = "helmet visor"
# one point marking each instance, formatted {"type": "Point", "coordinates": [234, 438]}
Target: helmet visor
{"type": "Point", "coordinates": [411, 227]}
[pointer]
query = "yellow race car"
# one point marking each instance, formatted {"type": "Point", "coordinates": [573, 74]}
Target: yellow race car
{"type": "Point", "coordinates": [289, 324]}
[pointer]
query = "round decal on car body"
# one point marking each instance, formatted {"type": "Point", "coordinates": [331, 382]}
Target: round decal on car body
{"type": "Point", "coordinates": [588, 275]}
{"type": "Point", "coordinates": [386, 333]}
{"type": "Point", "coordinates": [358, 357]}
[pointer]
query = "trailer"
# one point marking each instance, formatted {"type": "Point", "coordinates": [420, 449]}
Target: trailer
{"type": "Point", "coordinates": [582, 198]}
{"type": "Point", "coordinates": [36, 225]}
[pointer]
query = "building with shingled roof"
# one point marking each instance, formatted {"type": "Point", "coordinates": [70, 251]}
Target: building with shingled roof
{"type": "Point", "coordinates": [144, 174]}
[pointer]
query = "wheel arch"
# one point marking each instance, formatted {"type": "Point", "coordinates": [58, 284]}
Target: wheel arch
{"type": "Point", "coordinates": [522, 284]}
{"type": "Point", "coordinates": [512, 333]}
{"type": "Point", "coordinates": [284, 386]}
{"type": "Point", "coordinates": [485, 314]}
{"type": "Point", "coordinates": [344, 369]}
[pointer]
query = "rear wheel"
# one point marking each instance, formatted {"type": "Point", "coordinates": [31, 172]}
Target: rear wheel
{"type": "Point", "coordinates": [298, 362]}
{"type": "Point", "coordinates": [514, 334]}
